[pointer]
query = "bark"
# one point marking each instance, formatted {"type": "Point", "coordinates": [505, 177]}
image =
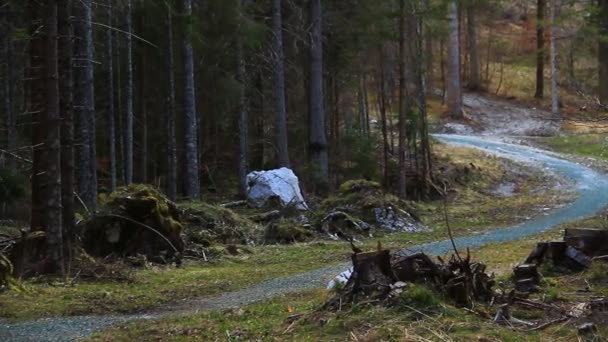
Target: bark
{"type": "Point", "coordinates": [429, 58]}
{"type": "Point", "coordinates": [540, 48]}
{"type": "Point", "coordinates": [553, 52]}
{"type": "Point", "coordinates": [243, 121]}
{"type": "Point", "coordinates": [36, 103]}
{"type": "Point", "coordinates": [52, 175]}
{"type": "Point", "coordinates": [120, 117]}
{"type": "Point", "coordinates": [142, 100]}
{"type": "Point", "coordinates": [421, 88]}
{"type": "Point", "coordinates": [7, 87]}
{"type": "Point", "coordinates": [382, 105]}
{"type": "Point", "coordinates": [366, 104]}
{"type": "Point", "coordinates": [403, 104]}
{"type": "Point", "coordinates": [128, 126]}
{"type": "Point", "coordinates": [84, 102]}
{"type": "Point", "coordinates": [318, 139]}
{"type": "Point", "coordinates": [67, 121]}
{"type": "Point", "coordinates": [171, 138]}
{"type": "Point", "coordinates": [110, 79]}
{"type": "Point", "coordinates": [192, 182]}
{"type": "Point", "coordinates": [603, 52]}
{"type": "Point", "coordinates": [279, 86]}
{"type": "Point", "coordinates": [454, 88]}
{"type": "Point", "coordinates": [474, 60]}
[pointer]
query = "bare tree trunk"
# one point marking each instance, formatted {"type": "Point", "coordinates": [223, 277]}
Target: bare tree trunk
{"type": "Point", "coordinates": [36, 103]}
{"type": "Point", "coordinates": [119, 117]}
{"type": "Point", "coordinates": [243, 121]}
{"type": "Point", "coordinates": [540, 48]}
{"type": "Point", "coordinates": [7, 86]}
{"type": "Point", "coordinates": [454, 88]}
{"type": "Point", "coordinates": [474, 60]}
{"type": "Point", "coordinates": [403, 104]}
{"type": "Point", "coordinates": [279, 88]}
{"type": "Point", "coordinates": [111, 112]}
{"type": "Point", "coordinates": [52, 175]}
{"type": "Point", "coordinates": [603, 52]}
{"type": "Point", "coordinates": [554, 89]}
{"type": "Point", "coordinates": [366, 103]}
{"type": "Point", "coordinates": [67, 121]}
{"type": "Point", "coordinates": [421, 87]}
{"type": "Point", "coordinates": [84, 101]}
{"type": "Point", "coordinates": [428, 39]}
{"type": "Point", "coordinates": [382, 105]}
{"type": "Point", "coordinates": [318, 140]}
{"type": "Point", "coordinates": [442, 70]}
{"type": "Point", "coordinates": [128, 126]}
{"type": "Point", "coordinates": [192, 182]}
{"type": "Point", "coordinates": [171, 138]}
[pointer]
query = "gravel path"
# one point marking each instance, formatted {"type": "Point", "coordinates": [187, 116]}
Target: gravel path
{"type": "Point", "coordinates": [591, 186]}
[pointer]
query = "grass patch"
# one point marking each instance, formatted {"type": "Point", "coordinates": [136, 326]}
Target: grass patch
{"type": "Point", "coordinates": [586, 145]}
{"type": "Point", "coordinates": [473, 206]}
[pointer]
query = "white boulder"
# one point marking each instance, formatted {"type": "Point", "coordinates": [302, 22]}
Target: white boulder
{"type": "Point", "coordinates": [281, 183]}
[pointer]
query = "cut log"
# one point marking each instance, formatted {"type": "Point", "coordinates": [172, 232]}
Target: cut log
{"type": "Point", "coordinates": [527, 271]}
{"type": "Point", "coordinates": [578, 256]}
{"type": "Point", "coordinates": [592, 242]}
{"type": "Point", "coordinates": [556, 251]}
{"type": "Point", "coordinates": [538, 254]}
{"type": "Point", "coordinates": [526, 285]}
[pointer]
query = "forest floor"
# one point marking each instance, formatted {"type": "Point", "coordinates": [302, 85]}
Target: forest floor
{"type": "Point", "coordinates": [261, 288]}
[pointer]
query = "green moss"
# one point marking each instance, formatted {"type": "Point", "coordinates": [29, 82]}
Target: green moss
{"type": "Point", "coordinates": [286, 230]}
{"type": "Point", "coordinates": [140, 219]}
{"type": "Point", "coordinates": [420, 297]}
{"type": "Point", "coordinates": [357, 185]}
{"type": "Point", "coordinates": [219, 224]}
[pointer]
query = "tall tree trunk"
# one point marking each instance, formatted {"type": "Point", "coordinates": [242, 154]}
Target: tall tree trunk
{"type": "Point", "coordinates": [416, 49]}
{"type": "Point", "coordinates": [67, 121]}
{"type": "Point", "coordinates": [474, 60]}
{"type": "Point", "coordinates": [366, 103]}
{"type": "Point", "coordinates": [111, 112]}
{"type": "Point", "coordinates": [382, 105]}
{"type": "Point", "coordinates": [7, 86]}
{"type": "Point", "coordinates": [120, 115]}
{"type": "Point", "coordinates": [403, 104]}
{"type": "Point", "coordinates": [454, 88]}
{"type": "Point", "coordinates": [279, 87]}
{"type": "Point", "coordinates": [192, 182]}
{"type": "Point", "coordinates": [171, 138]}
{"type": "Point", "coordinates": [243, 121]}
{"type": "Point", "coordinates": [429, 58]}
{"type": "Point", "coordinates": [52, 175]}
{"type": "Point", "coordinates": [317, 139]}
{"type": "Point", "coordinates": [128, 126]}
{"type": "Point", "coordinates": [603, 52]}
{"type": "Point", "coordinates": [36, 104]}
{"type": "Point", "coordinates": [540, 48]}
{"type": "Point", "coordinates": [84, 101]}
{"type": "Point", "coordinates": [553, 52]}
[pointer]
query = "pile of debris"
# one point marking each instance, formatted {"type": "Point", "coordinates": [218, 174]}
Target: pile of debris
{"type": "Point", "coordinates": [382, 275]}
{"type": "Point", "coordinates": [361, 207]}
{"type": "Point", "coordinates": [137, 220]}
{"type": "Point", "coordinates": [578, 250]}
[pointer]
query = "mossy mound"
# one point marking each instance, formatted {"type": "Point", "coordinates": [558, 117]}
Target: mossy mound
{"type": "Point", "coordinates": [208, 223]}
{"type": "Point", "coordinates": [135, 220]}
{"type": "Point", "coordinates": [286, 230]}
{"type": "Point", "coordinates": [361, 205]}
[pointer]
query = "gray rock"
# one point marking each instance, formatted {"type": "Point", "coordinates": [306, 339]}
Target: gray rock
{"type": "Point", "coordinates": [281, 184]}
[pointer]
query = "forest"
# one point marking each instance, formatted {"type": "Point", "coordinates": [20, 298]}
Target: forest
{"type": "Point", "coordinates": [361, 170]}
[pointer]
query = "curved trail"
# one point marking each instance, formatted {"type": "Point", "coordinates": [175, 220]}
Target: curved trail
{"type": "Point", "coordinates": [591, 186]}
